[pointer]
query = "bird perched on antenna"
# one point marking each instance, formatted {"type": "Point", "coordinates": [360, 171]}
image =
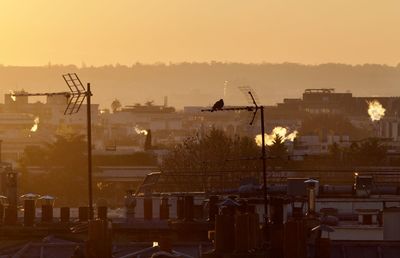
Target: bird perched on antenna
{"type": "Point", "coordinates": [218, 105]}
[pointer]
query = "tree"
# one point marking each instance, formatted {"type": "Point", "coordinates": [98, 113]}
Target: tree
{"type": "Point", "coordinates": [64, 169]}
{"type": "Point", "coordinates": [324, 124]}
{"type": "Point", "coordinates": [68, 151]}
{"type": "Point", "coordinates": [277, 151]}
{"type": "Point", "coordinates": [215, 158]}
{"type": "Point", "coordinates": [34, 155]}
{"type": "Point", "coordinates": [372, 152]}
{"type": "Point", "coordinates": [366, 152]}
{"type": "Point", "coordinates": [352, 153]}
{"type": "Point", "coordinates": [335, 153]}
{"type": "Point", "coordinates": [116, 105]}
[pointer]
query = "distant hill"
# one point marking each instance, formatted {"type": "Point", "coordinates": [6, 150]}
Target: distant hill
{"type": "Point", "coordinates": [203, 83]}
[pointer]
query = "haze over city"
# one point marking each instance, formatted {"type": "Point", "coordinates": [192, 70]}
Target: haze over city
{"type": "Point", "coordinates": [199, 129]}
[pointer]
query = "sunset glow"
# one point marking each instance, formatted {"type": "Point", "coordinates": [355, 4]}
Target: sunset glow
{"type": "Point", "coordinates": [103, 32]}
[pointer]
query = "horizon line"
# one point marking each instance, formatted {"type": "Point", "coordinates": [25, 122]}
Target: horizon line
{"type": "Point", "coordinates": [212, 62]}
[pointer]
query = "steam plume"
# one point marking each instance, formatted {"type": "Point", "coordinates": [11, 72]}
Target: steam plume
{"type": "Point", "coordinates": [140, 131]}
{"type": "Point", "coordinates": [13, 97]}
{"type": "Point", "coordinates": [35, 125]}
{"type": "Point", "coordinates": [277, 131]}
{"type": "Point", "coordinates": [225, 87]}
{"type": "Point", "coordinates": [375, 110]}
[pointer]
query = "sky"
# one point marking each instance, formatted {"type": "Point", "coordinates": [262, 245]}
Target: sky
{"type": "Point", "coordinates": [98, 32]}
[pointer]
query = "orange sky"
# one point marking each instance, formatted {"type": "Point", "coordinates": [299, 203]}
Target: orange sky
{"type": "Point", "coordinates": [99, 32]}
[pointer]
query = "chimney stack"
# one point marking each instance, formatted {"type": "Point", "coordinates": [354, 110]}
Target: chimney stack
{"type": "Point", "coordinates": [165, 101]}
{"type": "Point", "coordinates": [147, 144]}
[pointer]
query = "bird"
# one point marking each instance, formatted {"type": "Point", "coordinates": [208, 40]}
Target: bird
{"type": "Point", "coordinates": [218, 105]}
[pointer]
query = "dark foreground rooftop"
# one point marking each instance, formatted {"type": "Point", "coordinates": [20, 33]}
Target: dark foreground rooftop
{"type": "Point", "coordinates": [365, 249]}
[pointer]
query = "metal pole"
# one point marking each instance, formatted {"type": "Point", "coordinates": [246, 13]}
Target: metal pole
{"type": "Point", "coordinates": [89, 150]}
{"type": "Point", "coordinates": [264, 165]}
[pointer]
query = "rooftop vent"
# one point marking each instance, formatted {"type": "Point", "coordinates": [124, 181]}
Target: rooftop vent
{"type": "Point", "coordinates": [323, 90]}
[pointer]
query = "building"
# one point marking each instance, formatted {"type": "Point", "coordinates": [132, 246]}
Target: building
{"type": "Point", "coordinates": [24, 124]}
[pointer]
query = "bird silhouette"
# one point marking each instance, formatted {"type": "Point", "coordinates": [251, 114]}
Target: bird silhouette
{"type": "Point", "coordinates": [218, 105]}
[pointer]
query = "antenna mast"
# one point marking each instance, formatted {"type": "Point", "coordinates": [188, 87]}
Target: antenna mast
{"type": "Point", "coordinates": [76, 96]}
{"type": "Point", "coordinates": [251, 97]}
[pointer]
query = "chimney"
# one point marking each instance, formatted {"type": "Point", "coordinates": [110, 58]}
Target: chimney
{"type": "Point", "coordinates": [147, 143]}
{"type": "Point", "coordinates": [165, 101]}
{"type": "Point", "coordinates": [311, 188]}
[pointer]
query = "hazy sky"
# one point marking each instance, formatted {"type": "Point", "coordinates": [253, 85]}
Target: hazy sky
{"type": "Point", "coordinates": [127, 31]}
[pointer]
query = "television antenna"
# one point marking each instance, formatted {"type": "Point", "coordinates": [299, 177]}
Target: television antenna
{"type": "Point", "coordinates": [76, 96]}
{"type": "Point", "coordinates": [252, 98]}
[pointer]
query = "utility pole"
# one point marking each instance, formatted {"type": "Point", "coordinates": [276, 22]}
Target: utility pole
{"type": "Point", "coordinates": [79, 93]}
{"type": "Point", "coordinates": [264, 164]}
{"type": "Point", "coordinates": [89, 149]}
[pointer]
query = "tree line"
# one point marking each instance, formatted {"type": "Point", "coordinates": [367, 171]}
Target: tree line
{"type": "Point", "coordinates": [63, 169]}
{"type": "Point", "coordinates": [205, 161]}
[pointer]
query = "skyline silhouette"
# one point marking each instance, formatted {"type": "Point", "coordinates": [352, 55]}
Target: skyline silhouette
{"type": "Point", "coordinates": [200, 84]}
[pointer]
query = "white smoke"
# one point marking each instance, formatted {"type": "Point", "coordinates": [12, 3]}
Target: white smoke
{"type": "Point", "coordinates": [13, 97]}
{"type": "Point", "coordinates": [375, 110]}
{"type": "Point", "coordinates": [140, 131]}
{"type": "Point", "coordinates": [35, 125]}
{"type": "Point", "coordinates": [277, 131]}
{"type": "Point", "coordinates": [225, 88]}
